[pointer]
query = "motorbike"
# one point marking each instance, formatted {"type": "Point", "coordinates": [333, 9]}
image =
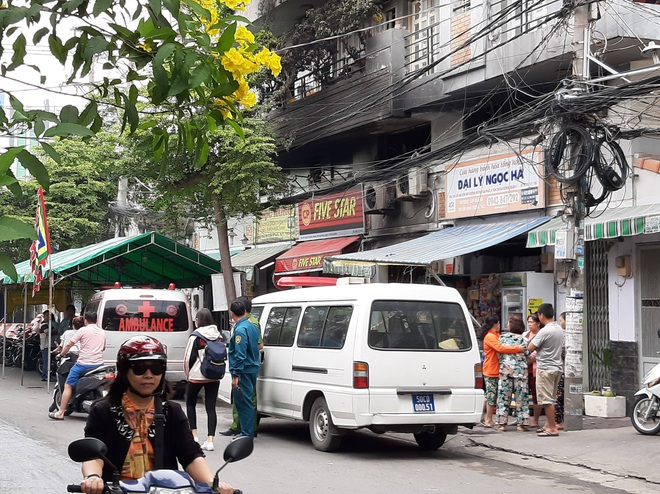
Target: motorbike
{"type": "Point", "coordinates": [14, 348]}
{"type": "Point", "coordinates": [92, 385]}
{"type": "Point", "coordinates": [644, 415]}
{"type": "Point", "coordinates": [156, 481]}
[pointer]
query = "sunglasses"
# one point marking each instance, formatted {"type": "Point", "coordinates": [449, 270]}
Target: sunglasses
{"type": "Point", "coordinates": [140, 368]}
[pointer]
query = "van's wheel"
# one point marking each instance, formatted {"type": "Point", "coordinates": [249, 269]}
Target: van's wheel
{"type": "Point", "coordinates": [642, 406]}
{"type": "Point", "coordinates": [325, 436]}
{"type": "Point", "coordinates": [430, 441]}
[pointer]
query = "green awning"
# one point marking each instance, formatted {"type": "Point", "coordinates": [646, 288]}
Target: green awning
{"type": "Point", "coordinates": [611, 223]}
{"type": "Point", "coordinates": [148, 259]}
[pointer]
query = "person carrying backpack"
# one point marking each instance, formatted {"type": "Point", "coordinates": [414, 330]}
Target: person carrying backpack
{"type": "Point", "coordinates": [203, 372]}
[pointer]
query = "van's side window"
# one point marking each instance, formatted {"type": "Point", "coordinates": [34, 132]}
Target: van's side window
{"type": "Point", "coordinates": [324, 327]}
{"type": "Point", "coordinates": [281, 326]}
{"type": "Point", "coordinates": [410, 325]}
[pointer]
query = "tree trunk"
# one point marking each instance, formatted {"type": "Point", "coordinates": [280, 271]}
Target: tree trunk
{"type": "Point", "coordinates": [225, 255]}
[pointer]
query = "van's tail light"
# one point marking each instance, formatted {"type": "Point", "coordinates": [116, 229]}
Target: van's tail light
{"type": "Point", "coordinates": [360, 375]}
{"type": "Point", "coordinates": [478, 377]}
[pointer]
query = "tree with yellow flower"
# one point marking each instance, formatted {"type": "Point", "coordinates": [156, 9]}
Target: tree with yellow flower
{"type": "Point", "coordinates": [185, 58]}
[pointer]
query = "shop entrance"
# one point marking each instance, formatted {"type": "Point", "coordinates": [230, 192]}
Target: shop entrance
{"type": "Point", "coordinates": [649, 280]}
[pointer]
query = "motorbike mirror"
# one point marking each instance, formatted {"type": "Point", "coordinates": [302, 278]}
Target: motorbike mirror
{"type": "Point", "coordinates": [87, 449]}
{"type": "Point", "coordinates": [238, 449]}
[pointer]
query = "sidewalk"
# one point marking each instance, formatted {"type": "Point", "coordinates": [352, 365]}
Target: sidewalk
{"type": "Point", "coordinates": [609, 447]}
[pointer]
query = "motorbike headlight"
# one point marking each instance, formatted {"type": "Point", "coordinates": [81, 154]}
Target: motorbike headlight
{"type": "Point", "coordinates": [654, 382]}
{"type": "Point", "coordinates": [165, 490]}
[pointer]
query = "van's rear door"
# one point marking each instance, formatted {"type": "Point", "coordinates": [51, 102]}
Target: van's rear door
{"type": "Point", "coordinates": [421, 357]}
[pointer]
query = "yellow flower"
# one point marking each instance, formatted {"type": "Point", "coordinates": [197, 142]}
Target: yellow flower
{"type": "Point", "coordinates": [236, 4]}
{"type": "Point", "coordinates": [147, 46]}
{"type": "Point", "coordinates": [244, 34]}
{"type": "Point", "coordinates": [274, 64]}
{"type": "Point", "coordinates": [238, 62]}
{"type": "Point", "coordinates": [249, 100]}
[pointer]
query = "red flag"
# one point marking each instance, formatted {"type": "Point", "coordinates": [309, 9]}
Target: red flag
{"type": "Point", "coordinates": [40, 248]}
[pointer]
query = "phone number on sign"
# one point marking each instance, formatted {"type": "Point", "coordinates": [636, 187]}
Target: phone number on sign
{"type": "Point", "coordinates": [503, 199]}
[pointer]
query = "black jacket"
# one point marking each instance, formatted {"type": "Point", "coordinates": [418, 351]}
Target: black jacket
{"type": "Point", "coordinates": [107, 423]}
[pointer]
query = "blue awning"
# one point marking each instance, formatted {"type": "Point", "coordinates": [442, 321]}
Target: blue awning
{"type": "Point", "coordinates": [443, 244]}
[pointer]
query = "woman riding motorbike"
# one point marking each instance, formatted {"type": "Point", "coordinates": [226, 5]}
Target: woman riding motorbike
{"type": "Point", "coordinates": [124, 421]}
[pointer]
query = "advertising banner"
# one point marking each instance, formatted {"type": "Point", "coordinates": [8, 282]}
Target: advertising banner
{"type": "Point", "coordinates": [332, 215]}
{"type": "Point", "coordinates": [498, 184]}
{"type": "Point", "coordinates": [277, 225]}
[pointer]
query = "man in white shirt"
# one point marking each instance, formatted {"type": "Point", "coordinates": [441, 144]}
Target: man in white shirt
{"type": "Point", "coordinates": [548, 344]}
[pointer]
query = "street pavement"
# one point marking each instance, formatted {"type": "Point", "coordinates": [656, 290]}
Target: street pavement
{"type": "Point", "coordinates": [608, 451]}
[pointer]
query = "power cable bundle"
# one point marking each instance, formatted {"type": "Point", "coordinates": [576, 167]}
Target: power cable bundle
{"type": "Point", "coordinates": [579, 152]}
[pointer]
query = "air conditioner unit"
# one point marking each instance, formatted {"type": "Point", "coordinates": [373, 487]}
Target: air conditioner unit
{"type": "Point", "coordinates": [379, 198]}
{"type": "Point", "coordinates": [412, 184]}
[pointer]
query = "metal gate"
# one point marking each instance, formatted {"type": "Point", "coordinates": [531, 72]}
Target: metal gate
{"type": "Point", "coordinates": [597, 312]}
{"type": "Point", "coordinates": [649, 303]}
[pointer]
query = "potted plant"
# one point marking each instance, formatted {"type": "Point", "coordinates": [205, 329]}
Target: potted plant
{"type": "Point", "coordinates": [605, 403]}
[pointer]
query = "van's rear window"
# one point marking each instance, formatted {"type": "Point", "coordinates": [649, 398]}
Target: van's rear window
{"type": "Point", "coordinates": [145, 315]}
{"type": "Point", "coordinates": [417, 325]}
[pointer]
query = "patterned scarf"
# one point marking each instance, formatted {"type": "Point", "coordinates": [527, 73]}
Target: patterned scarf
{"type": "Point", "coordinates": [140, 457]}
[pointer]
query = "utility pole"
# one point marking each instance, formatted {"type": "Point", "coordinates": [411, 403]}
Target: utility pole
{"type": "Point", "coordinates": [573, 263]}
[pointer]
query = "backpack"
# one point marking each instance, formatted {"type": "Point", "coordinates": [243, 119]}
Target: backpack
{"type": "Point", "coordinates": [214, 359]}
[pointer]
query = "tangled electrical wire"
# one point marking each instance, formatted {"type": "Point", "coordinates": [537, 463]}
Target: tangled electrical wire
{"type": "Point", "coordinates": [588, 153]}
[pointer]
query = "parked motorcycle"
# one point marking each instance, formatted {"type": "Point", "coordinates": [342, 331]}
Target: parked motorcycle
{"type": "Point", "coordinates": [92, 385]}
{"type": "Point", "coordinates": [14, 348]}
{"type": "Point", "coordinates": [645, 418]}
{"type": "Point", "coordinates": [156, 481]}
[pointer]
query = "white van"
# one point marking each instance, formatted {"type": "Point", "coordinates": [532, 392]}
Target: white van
{"type": "Point", "coordinates": [387, 357]}
{"type": "Point", "coordinates": [163, 314]}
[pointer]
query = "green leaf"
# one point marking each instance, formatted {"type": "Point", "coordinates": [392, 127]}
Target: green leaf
{"type": "Point", "coordinates": [174, 6]}
{"type": "Point", "coordinates": [200, 74]}
{"type": "Point", "coordinates": [7, 267]}
{"type": "Point", "coordinates": [11, 229]}
{"type": "Point", "coordinates": [88, 114]}
{"type": "Point", "coordinates": [124, 33]}
{"type": "Point", "coordinates": [237, 128]}
{"type": "Point", "coordinates": [226, 39]}
{"type": "Point", "coordinates": [8, 157]}
{"type": "Point", "coordinates": [202, 152]}
{"type": "Point", "coordinates": [199, 10]}
{"type": "Point", "coordinates": [39, 127]}
{"type": "Point", "coordinates": [16, 105]}
{"type": "Point", "coordinates": [96, 45]}
{"type": "Point", "coordinates": [19, 52]}
{"type": "Point", "coordinates": [57, 48]}
{"type": "Point", "coordinates": [69, 114]}
{"type": "Point", "coordinates": [131, 113]}
{"type": "Point", "coordinates": [51, 151]}
{"type": "Point", "coordinates": [38, 36]}
{"type": "Point", "coordinates": [36, 167]}
{"type": "Point", "coordinates": [71, 5]}
{"type": "Point", "coordinates": [68, 129]}
{"type": "Point", "coordinates": [155, 6]}
{"type": "Point", "coordinates": [133, 93]}
{"type": "Point", "coordinates": [101, 6]}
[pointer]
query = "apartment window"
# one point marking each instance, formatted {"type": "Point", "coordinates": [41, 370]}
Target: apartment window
{"type": "Point", "coordinates": [460, 6]}
{"type": "Point", "coordinates": [424, 28]}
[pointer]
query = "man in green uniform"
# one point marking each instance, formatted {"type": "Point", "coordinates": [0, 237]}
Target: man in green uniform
{"type": "Point", "coordinates": [235, 427]}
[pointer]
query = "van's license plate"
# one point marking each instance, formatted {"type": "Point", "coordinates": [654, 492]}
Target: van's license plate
{"type": "Point", "coordinates": [423, 403]}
